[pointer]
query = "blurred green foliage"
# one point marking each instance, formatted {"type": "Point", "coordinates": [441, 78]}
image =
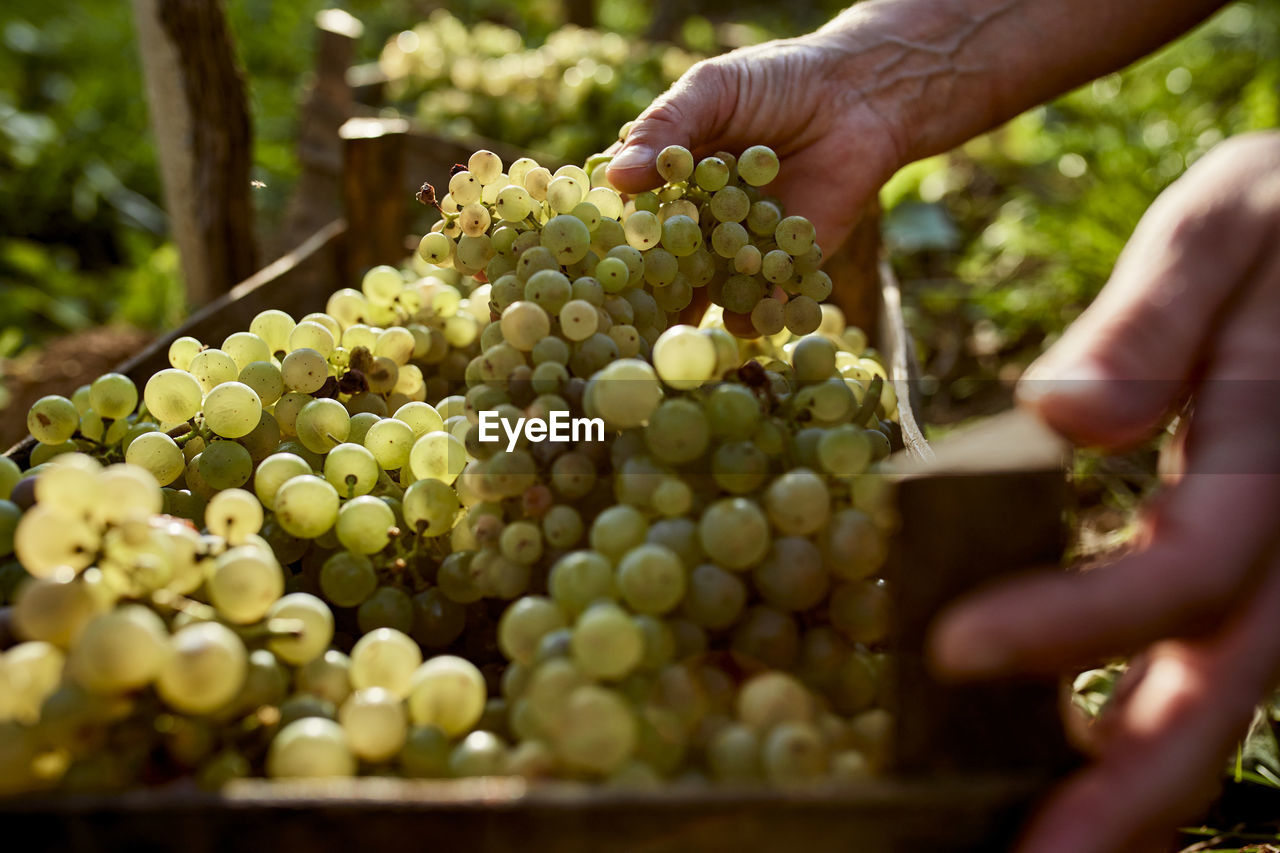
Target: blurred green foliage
{"type": "Point", "coordinates": [1005, 241]}
{"type": "Point", "coordinates": [1002, 242]}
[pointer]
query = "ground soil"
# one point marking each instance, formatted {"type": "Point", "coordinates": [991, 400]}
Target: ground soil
{"type": "Point", "coordinates": [60, 367]}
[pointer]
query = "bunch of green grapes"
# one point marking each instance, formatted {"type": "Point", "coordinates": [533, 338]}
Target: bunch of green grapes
{"type": "Point", "coordinates": [138, 629]}
{"type": "Point", "coordinates": [692, 592]}
{"type": "Point", "coordinates": [554, 98]}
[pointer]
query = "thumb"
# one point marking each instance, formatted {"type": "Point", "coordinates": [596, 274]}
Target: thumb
{"type": "Point", "coordinates": [1128, 360]}
{"type": "Point", "coordinates": [687, 114]}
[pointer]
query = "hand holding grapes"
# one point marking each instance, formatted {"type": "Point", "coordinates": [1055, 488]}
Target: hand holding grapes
{"type": "Point", "coordinates": [837, 149]}
{"type": "Point", "coordinates": [1193, 307]}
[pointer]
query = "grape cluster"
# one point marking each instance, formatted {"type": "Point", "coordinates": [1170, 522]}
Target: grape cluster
{"type": "Point", "coordinates": [554, 98]}
{"type": "Point", "coordinates": [303, 557]}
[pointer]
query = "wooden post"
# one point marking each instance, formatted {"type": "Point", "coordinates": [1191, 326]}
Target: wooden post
{"type": "Point", "coordinates": [201, 122]}
{"type": "Point", "coordinates": [374, 193]}
{"type": "Point", "coordinates": [960, 531]}
{"type": "Point", "coordinates": [580, 12]}
{"type": "Point", "coordinates": [317, 199]}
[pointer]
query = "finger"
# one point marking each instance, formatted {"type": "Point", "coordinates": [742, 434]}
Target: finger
{"type": "Point", "coordinates": [1151, 323]}
{"type": "Point", "coordinates": [1172, 733]}
{"type": "Point", "coordinates": [1206, 534]}
{"type": "Point", "coordinates": [687, 114]}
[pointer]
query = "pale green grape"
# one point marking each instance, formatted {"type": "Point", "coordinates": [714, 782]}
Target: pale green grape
{"type": "Point", "coordinates": [748, 260]}
{"type": "Point", "coordinates": [597, 732]}
{"type": "Point", "coordinates": [844, 451]}
{"type": "Point", "coordinates": [375, 723]}
{"type": "Point", "coordinates": [315, 620]}
{"type": "Point", "coordinates": [304, 370]}
{"type": "Point", "coordinates": [643, 230]}
{"type": "Point", "coordinates": [351, 470]}
{"type": "Point", "coordinates": [523, 324]}
{"type": "Point", "coordinates": [607, 643]}
{"type": "Point", "coordinates": [860, 611]}
{"type": "Point", "coordinates": [794, 753]}
{"type": "Point", "coordinates": [521, 542]}
{"type": "Point", "coordinates": [514, 203]}
{"type": "Point", "coordinates": [681, 236]}
{"type": "Point", "coordinates": [396, 343]}
{"type": "Point", "coordinates": [715, 598]}
{"type": "Point", "coordinates": [435, 248]}
{"type": "Point", "coordinates": [675, 163]}
{"type": "Point", "coordinates": [580, 578]}
{"type": "Point", "coordinates": [48, 539]}
{"type": "Point", "coordinates": [388, 607]}
{"type": "Point", "coordinates": [224, 465]}
{"type": "Point", "coordinates": [232, 409]}
{"type": "Point", "coordinates": [524, 624]}
{"type": "Point", "coordinates": [562, 526]}
{"type": "Point", "coordinates": [798, 502]}
{"type": "Point", "coordinates": [182, 350]}
{"type": "Point", "coordinates": [548, 288]}
{"type": "Point", "coordinates": [265, 379]}
{"type": "Point", "coordinates": [327, 677]}
{"type": "Point", "coordinates": [802, 315]}
{"type": "Point", "coordinates": [480, 753]}
{"type": "Point", "coordinates": [204, 670]}
{"type": "Point", "coordinates": [210, 367]}
{"type": "Point", "coordinates": [364, 525]}
{"type": "Point", "coordinates": [617, 530]}
{"type": "Point", "coordinates": [852, 545]}
{"type": "Point", "coordinates": [54, 419]}
{"type": "Point", "coordinates": [54, 610]}
{"type": "Point", "coordinates": [711, 174]}
{"type": "Point", "coordinates": [678, 431]}
{"type": "Point", "coordinates": [733, 754]}
{"type": "Point", "coordinates": [651, 579]}
{"type": "Point", "coordinates": [306, 506]}
{"type": "Point", "coordinates": [233, 514]}
{"type": "Point", "coordinates": [430, 507]}
{"type": "Point", "coordinates": [72, 485]}
{"type": "Point", "coordinates": [447, 692]}
{"type": "Point", "coordinates": [684, 358]}
{"type": "Point", "coordinates": [792, 576]}
{"type": "Point", "coordinates": [567, 238]}
{"type": "Point", "coordinates": [438, 456]}
{"type": "Point", "coordinates": [347, 578]}
{"type": "Point", "coordinates": [730, 205]}
{"type": "Point", "coordinates": [773, 698]}
{"type": "Point", "coordinates": [273, 326]}
{"type": "Point", "coordinates": [625, 393]}
{"type": "Point", "coordinates": [734, 533]}
{"type": "Point", "coordinates": [310, 748]}
{"type": "Point", "coordinates": [10, 474]}
{"type": "Point", "coordinates": [246, 348]}
{"type": "Point", "coordinates": [578, 320]}
{"type": "Point", "coordinates": [113, 395]}
{"type": "Point", "coordinates": [118, 651]}
{"type": "Point", "coordinates": [275, 471]}
{"type": "Point", "coordinates": [758, 165]}
{"type": "Point", "coordinates": [245, 582]}
{"type": "Point", "coordinates": [421, 417]}
{"type": "Point", "coordinates": [322, 425]}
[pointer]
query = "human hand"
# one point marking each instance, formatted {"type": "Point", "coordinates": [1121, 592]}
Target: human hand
{"type": "Point", "coordinates": [1192, 307]}
{"type": "Point", "coordinates": [837, 145]}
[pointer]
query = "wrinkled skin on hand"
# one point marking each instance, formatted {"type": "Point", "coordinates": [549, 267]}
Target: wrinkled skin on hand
{"type": "Point", "coordinates": [1192, 309]}
{"type": "Point", "coordinates": [792, 95]}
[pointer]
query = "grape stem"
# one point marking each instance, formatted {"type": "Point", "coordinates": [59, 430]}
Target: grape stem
{"type": "Point", "coordinates": [869, 402]}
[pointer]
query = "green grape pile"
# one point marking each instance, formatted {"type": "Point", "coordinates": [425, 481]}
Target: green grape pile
{"type": "Point", "coordinates": [553, 98]}
{"type": "Point", "coordinates": [297, 554]}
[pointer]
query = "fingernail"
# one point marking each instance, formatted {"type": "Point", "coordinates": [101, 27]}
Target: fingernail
{"type": "Point", "coordinates": [632, 156]}
{"type": "Point", "coordinates": [958, 647]}
{"type": "Point", "coordinates": [1075, 379]}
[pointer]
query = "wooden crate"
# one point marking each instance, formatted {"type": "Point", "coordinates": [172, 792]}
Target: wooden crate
{"type": "Point", "coordinates": [969, 761]}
